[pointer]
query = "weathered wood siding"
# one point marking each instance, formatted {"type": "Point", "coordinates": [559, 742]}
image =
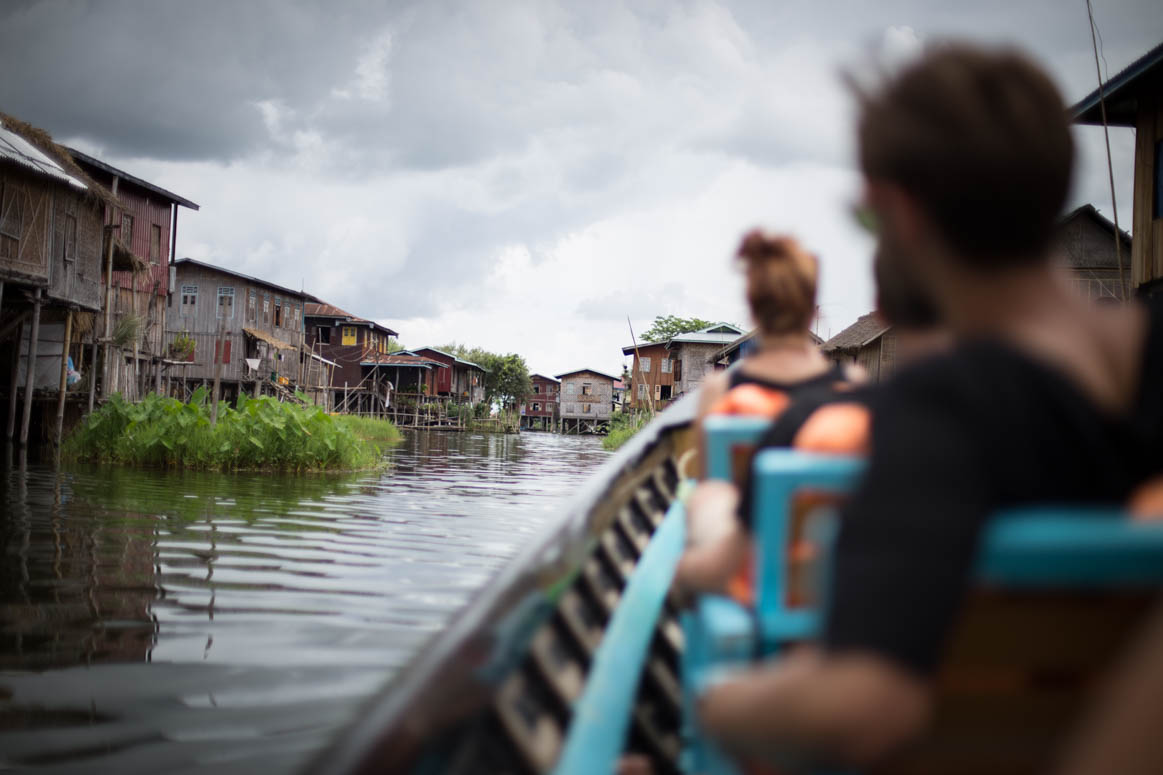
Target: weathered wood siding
{"type": "Point", "coordinates": [545, 396]}
{"type": "Point", "coordinates": [574, 399]}
{"type": "Point", "coordinates": [696, 364]}
{"type": "Point", "coordinates": [52, 237]}
{"type": "Point", "coordinates": [1088, 250]}
{"type": "Point", "coordinates": [200, 321]}
{"type": "Point", "coordinates": [1147, 249]}
{"type": "Point", "coordinates": [654, 376]}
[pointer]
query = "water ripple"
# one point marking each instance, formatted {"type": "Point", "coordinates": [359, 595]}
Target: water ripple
{"type": "Point", "coordinates": [177, 621]}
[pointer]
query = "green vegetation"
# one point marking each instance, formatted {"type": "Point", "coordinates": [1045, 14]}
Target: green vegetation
{"type": "Point", "coordinates": [506, 380]}
{"type": "Point", "coordinates": [255, 434]}
{"type": "Point", "coordinates": [622, 427]}
{"type": "Point", "coordinates": [666, 327]}
{"type": "Point", "coordinates": [375, 430]}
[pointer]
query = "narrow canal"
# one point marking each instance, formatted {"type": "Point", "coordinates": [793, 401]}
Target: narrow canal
{"type": "Point", "coordinates": [179, 622]}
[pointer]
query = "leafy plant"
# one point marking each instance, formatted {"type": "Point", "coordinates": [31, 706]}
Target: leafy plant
{"type": "Point", "coordinates": [623, 426]}
{"type": "Point", "coordinates": [182, 348]}
{"type": "Point", "coordinates": [256, 433]}
{"type": "Point", "coordinates": [126, 329]}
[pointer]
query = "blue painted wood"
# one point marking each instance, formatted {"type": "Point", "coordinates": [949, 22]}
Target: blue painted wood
{"type": "Point", "coordinates": [724, 434]}
{"type": "Point", "coordinates": [1059, 548]}
{"type": "Point", "coordinates": [601, 717]}
{"type": "Point", "coordinates": [779, 475]}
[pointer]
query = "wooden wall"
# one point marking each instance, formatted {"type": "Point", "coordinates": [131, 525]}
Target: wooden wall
{"type": "Point", "coordinates": [40, 209]}
{"type": "Point", "coordinates": [201, 323]}
{"type": "Point", "coordinates": [654, 376]}
{"type": "Point", "coordinates": [1147, 249]}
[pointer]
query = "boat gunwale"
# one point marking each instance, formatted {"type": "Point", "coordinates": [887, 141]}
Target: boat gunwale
{"type": "Point", "coordinates": [442, 684]}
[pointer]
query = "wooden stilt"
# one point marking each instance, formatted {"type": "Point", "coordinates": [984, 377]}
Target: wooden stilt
{"type": "Point", "coordinates": [12, 385]}
{"type": "Point", "coordinates": [64, 376]}
{"type": "Point", "coordinates": [30, 381]}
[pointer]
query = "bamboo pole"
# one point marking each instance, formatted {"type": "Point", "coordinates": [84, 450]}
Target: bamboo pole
{"type": "Point", "coordinates": [12, 386]}
{"type": "Point", "coordinates": [64, 376]}
{"type": "Point", "coordinates": [30, 379]}
{"type": "Point", "coordinates": [641, 373]}
{"type": "Point", "coordinates": [1109, 164]}
{"type": "Point", "coordinates": [219, 352]}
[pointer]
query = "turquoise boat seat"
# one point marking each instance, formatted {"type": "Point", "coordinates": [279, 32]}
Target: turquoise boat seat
{"type": "Point", "coordinates": [1073, 551]}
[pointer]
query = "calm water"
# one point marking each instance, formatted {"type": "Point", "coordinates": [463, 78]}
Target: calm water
{"type": "Point", "coordinates": [177, 622]}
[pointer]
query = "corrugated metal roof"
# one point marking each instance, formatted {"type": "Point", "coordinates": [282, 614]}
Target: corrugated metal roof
{"type": "Point", "coordinates": [321, 309]}
{"type": "Point", "coordinates": [865, 330]}
{"type": "Point", "coordinates": [19, 150]}
{"type": "Point", "coordinates": [84, 158]}
{"type": "Point", "coordinates": [240, 275]}
{"type": "Point", "coordinates": [403, 360]}
{"type": "Point", "coordinates": [1119, 93]}
{"type": "Point", "coordinates": [595, 371]}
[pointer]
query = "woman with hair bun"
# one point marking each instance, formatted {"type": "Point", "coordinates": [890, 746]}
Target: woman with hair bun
{"type": "Point", "coordinates": [781, 291]}
{"type": "Point", "coordinates": [786, 368]}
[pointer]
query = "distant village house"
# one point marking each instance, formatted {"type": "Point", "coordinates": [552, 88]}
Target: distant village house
{"type": "Point", "coordinates": [245, 331]}
{"type": "Point", "coordinates": [540, 409]}
{"type": "Point", "coordinates": [587, 398]}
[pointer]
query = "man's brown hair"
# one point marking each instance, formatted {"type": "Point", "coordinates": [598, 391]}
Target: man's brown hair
{"type": "Point", "coordinates": [980, 139]}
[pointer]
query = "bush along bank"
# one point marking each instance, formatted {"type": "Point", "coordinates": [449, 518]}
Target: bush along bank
{"type": "Point", "coordinates": [255, 434]}
{"type": "Point", "coordinates": [622, 428]}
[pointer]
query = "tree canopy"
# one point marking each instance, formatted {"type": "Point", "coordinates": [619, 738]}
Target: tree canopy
{"type": "Point", "coordinates": [666, 327]}
{"type": "Point", "coordinates": [507, 379]}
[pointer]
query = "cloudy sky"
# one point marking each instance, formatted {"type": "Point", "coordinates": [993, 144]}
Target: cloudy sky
{"type": "Point", "coordinates": [518, 176]}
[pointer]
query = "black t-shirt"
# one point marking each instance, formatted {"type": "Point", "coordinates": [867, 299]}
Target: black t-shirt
{"type": "Point", "coordinates": [955, 438]}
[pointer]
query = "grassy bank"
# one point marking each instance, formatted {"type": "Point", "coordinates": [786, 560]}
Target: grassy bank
{"type": "Point", "coordinates": [254, 434]}
{"type": "Point", "coordinates": [622, 428]}
{"type": "Point", "coordinates": [378, 432]}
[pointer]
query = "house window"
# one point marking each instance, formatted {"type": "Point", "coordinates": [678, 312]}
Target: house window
{"type": "Point", "coordinates": [323, 334]}
{"type": "Point", "coordinates": [349, 335]}
{"type": "Point", "coordinates": [586, 408]}
{"type": "Point", "coordinates": [278, 312]}
{"type": "Point", "coordinates": [155, 244]}
{"type": "Point", "coordinates": [536, 388]}
{"type": "Point", "coordinates": [127, 230]}
{"type": "Point", "coordinates": [226, 302]}
{"type": "Point", "coordinates": [224, 348]}
{"type": "Point", "coordinates": [641, 391]}
{"type": "Point", "coordinates": [69, 248]}
{"type": "Point", "coordinates": [11, 221]}
{"type": "Point", "coordinates": [645, 364]}
{"type": "Point", "coordinates": [266, 308]}
{"type": "Point", "coordinates": [664, 392]}
{"type": "Point", "coordinates": [189, 299]}
{"type": "Point", "coordinates": [587, 389]}
{"type": "Point", "coordinates": [251, 304]}
{"type": "Point", "coordinates": [570, 388]}
{"type": "Point", "coordinates": [536, 407]}
{"type": "Point", "coordinates": [665, 363]}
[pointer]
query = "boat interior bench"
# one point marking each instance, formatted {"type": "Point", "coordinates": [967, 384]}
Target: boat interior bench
{"type": "Point", "coordinates": [1058, 594]}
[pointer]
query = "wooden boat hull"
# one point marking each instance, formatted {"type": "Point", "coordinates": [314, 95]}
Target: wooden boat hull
{"type": "Point", "coordinates": [496, 691]}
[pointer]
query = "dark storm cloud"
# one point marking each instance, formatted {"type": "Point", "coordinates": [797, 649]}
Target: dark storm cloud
{"type": "Point", "coordinates": [170, 80]}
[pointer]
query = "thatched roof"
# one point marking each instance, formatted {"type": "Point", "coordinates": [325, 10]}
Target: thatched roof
{"type": "Point", "coordinates": [43, 142]}
{"type": "Point", "coordinates": [867, 329]}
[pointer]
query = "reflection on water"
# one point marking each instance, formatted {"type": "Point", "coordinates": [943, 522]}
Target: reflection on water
{"type": "Point", "coordinates": [177, 621]}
